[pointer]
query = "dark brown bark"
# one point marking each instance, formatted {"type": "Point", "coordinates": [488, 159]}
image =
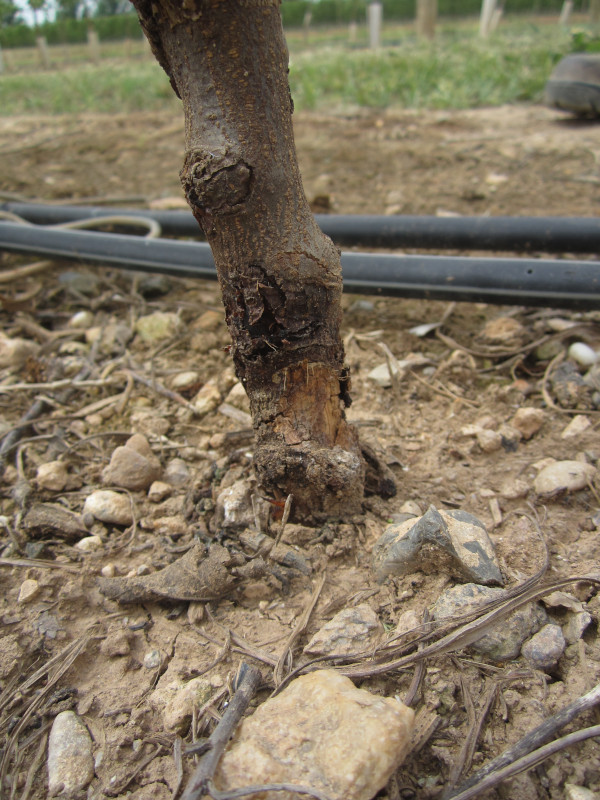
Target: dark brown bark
{"type": "Point", "coordinates": [280, 276]}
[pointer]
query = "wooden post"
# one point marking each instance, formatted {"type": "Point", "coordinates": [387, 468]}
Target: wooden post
{"type": "Point", "coordinates": [352, 31]}
{"type": "Point", "coordinates": [306, 25]}
{"type": "Point", "coordinates": [485, 20]}
{"type": "Point", "coordinates": [42, 46]}
{"type": "Point", "coordinates": [594, 12]}
{"type": "Point", "coordinates": [374, 17]}
{"type": "Point", "coordinates": [1, 61]}
{"type": "Point", "coordinates": [496, 17]}
{"type": "Point", "coordinates": [426, 18]}
{"type": "Point", "coordinates": [565, 13]}
{"type": "Point", "coordinates": [93, 45]}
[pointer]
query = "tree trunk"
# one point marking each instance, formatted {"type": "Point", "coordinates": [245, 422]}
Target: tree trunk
{"type": "Point", "coordinates": [280, 276]}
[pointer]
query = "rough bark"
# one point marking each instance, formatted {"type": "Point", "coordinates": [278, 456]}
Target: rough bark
{"type": "Point", "coordinates": [280, 276]}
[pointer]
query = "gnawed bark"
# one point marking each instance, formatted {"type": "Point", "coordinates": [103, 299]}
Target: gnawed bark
{"type": "Point", "coordinates": [280, 275]}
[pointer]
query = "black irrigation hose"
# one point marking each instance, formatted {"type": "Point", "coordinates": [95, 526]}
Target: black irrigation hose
{"type": "Point", "coordinates": [560, 284]}
{"type": "Point", "coordinates": [510, 234]}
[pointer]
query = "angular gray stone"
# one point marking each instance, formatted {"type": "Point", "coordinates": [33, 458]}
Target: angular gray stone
{"type": "Point", "coordinates": [321, 732]}
{"type": "Point", "coordinates": [452, 540]}
{"type": "Point", "coordinates": [70, 761]}
{"type": "Point", "coordinates": [503, 642]}
{"type": "Point", "coordinates": [545, 648]}
{"type": "Point", "coordinates": [353, 630]}
{"type": "Point", "coordinates": [133, 466]}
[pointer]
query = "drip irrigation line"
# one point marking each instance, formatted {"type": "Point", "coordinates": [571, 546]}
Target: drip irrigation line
{"type": "Point", "coordinates": [509, 234]}
{"type": "Point", "coordinates": [517, 281]}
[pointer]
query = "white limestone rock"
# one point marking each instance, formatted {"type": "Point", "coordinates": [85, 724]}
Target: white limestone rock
{"type": "Point", "coordinates": [70, 762]}
{"type": "Point", "coordinates": [569, 476]}
{"type": "Point", "coordinates": [110, 507]}
{"type": "Point", "coordinates": [322, 732]}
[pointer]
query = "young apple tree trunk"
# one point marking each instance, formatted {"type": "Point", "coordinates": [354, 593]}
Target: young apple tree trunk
{"type": "Point", "coordinates": [280, 276]}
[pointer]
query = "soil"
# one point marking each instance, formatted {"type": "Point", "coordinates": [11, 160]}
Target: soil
{"type": "Point", "coordinates": [478, 368]}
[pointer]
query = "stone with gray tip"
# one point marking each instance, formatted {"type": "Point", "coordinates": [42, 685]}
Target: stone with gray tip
{"type": "Point", "coordinates": [502, 642]}
{"type": "Point", "coordinates": [70, 761]}
{"type": "Point", "coordinates": [453, 540]}
{"type": "Point", "coordinates": [545, 648]}
{"type": "Point", "coordinates": [353, 630]}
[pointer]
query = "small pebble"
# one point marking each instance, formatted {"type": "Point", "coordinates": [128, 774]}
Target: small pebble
{"type": "Point", "coordinates": [576, 427]}
{"type": "Point", "coordinates": [545, 648]}
{"type": "Point", "coordinates": [207, 399]}
{"type": "Point", "coordinates": [108, 571]}
{"type": "Point", "coordinates": [52, 476]}
{"type": "Point", "coordinates": [488, 440]}
{"type": "Point", "coordinates": [183, 381]}
{"type": "Point", "coordinates": [81, 319]}
{"type": "Point", "coordinates": [29, 589]}
{"type": "Point", "coordinates": [133, 466]}
{"type": "Point", "coordinates": [209, 321]}
{"type": "Point", "coordinates": [177, 472]}
{"type": "Point", "coordinates": [152, 659]}
{"type": "Point", "coordinates": [156, 327]}
{"type": "Point", "coordinates": [574, 792]}
{"type": "Point", "coordinates": [528, 421]}
{"type": "Point", "coordinates": [583, 354]}
{"type": "Point", "coordinates": [159, 491]}
{"type": "Point", "coordinates": [143, 569]}
{"type": "Point", "coordinates": [110, 507]}
{"type": "Point", "coordinates": [89, 543]}
{"type": "Point", "coordinates": [15, 352]}
{"type": "Point", "coordinates": [70, 762]}
{"type": "Point", "coordinates": [576, 625]}
{"type": "Point", "coordinates": [352, 630]}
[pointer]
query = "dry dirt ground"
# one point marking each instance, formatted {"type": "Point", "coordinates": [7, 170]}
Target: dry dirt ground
{"type": "Point", "coordinates": [512, 160]}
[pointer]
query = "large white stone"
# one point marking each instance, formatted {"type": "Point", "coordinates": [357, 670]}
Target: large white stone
{"type": "Point", "coordinates": [70, 761]}
{"type": "Point", "coordinates": [567, 476]}
{"type": "Point", "coordinates": [322, 732]}
{"type": "Point", "coordinates": [110, 507]}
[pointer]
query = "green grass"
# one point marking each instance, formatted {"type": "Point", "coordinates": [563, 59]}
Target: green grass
{"type": "Point", "coordinates": [457, 70]}
{"type": "Point", "coordinates": [452, 72]}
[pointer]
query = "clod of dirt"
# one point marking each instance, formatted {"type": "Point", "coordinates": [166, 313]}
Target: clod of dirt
{"type": "Point", "coordinates": [110, 507]}
{"type": "Point", "coordinates": [528, 421]}
{"type": "Point", "coordinates": [48, 521]}
{"type": "Point", "coordinates": [133, 466]}
{"type": "Point", "coordinates": [260, 543]}
{"type": "Point", "coordinates": [569, 388]}
{"type": "Point", "coordinates": [574, 792]}
{"type": "Point", "coordinates": [159, 491]}
{"type": "Point", "coordinates": [452, 540]}
{"type": "Point", "coordinates": [320, 732]}
{"type": "Point", "coordinates": [504, 641]}
{"type": "Point", "coordinates": [15, 352]}
{"type": "Point", "coordinates": [563, 476]}
{"type": "Point", "coordinates": [178, 701]}
{"type": "Point", "coordinates": [89, 543]}
{"type": "Point", "coordinates": [353, 630]}
{"type": "Point", "coordinates": [233, 507]}
{"type": "Point", "coordinates": [194, 576]}
{"type": "Point", "coordinates": [545, 648]}
{"type": "Point", "coordinates": [70, 761]}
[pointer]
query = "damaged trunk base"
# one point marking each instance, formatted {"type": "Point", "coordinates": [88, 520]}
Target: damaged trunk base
{"type": "Point", "coordinates": [280, 276]}
{"type": "Point", "coordinates": [304, 445]}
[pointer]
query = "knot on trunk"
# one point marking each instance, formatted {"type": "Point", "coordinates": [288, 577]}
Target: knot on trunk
{"type": "Point", "coordinates": [215, 183]}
